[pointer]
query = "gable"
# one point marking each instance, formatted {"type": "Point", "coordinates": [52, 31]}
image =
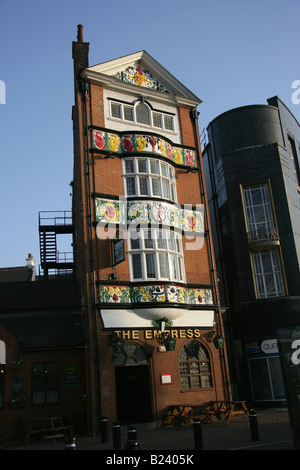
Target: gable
{"type": "Point", "coordinates": [142, 71]}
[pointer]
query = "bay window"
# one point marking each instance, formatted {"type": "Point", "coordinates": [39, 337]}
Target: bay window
{"type": "Point", "coordinates": [149, 177]}
{"type": "Point", "coordinates": [155, 255]}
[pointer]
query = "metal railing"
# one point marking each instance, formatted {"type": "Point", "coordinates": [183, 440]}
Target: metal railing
{"type": "Point", "coordinates": [55, 218]}
{"type": "Point", "coordinates": [263, 235]}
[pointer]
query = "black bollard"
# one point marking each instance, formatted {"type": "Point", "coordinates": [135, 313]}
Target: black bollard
{"type": "Point", "coordinates": [104, 429]}
{"type": "Point", "coordinates": [70, 443]}
{"type": "Point", "coordinates": [198, 434]}
{"type": "Point", "coordinates": [253, 425]}
{"type": "Point", "coordinates": [117, 436]}
{"type": "Point", "coordinates": [132, 434]}
{"type": "Point", "coordinates": [132, 443]}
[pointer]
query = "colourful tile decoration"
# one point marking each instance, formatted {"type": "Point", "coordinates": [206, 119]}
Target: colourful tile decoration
{"type": "Point", "coordinates": [125, 212]}
{"type": "Point", "coordinates": [155, 293]}
{"type": "Point", "coordinates": [125, 144]}
{"type": "Point", "coordinates": [137, 75]}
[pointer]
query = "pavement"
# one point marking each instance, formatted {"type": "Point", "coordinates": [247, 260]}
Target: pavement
{"type": "Point", "coordinates": [273, 433]}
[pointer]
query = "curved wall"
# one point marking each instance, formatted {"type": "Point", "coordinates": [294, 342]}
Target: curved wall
{"type": "Point", "coordinates": [244, 127]}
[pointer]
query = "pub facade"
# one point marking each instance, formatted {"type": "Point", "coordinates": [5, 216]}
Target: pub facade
{"type": "Point", "coordinates": [142, 243]}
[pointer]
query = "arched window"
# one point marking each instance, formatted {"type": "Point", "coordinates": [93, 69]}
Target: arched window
{"type": "Point", "coordinates": [132, 354]}
{"type": "Point", "coordinates": [195, 371]}
{"type": "Point", "coordinates": [142, 114]}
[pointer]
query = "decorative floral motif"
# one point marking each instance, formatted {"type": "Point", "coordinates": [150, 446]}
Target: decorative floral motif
{"type": "Point", "coordinates": [137, 75]}
{"type": "Point", "coordinates": [128, 143]}
{"type": "Point", "coordinates": [155, 293]}
{"type": "Point", "coordinates": [149, 212]}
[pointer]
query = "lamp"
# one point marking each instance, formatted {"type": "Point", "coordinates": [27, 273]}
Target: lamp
{"type": "Point", "coordinates": [219, 342]}
{"type": "Point", "coordinates": [170, 343]}
{"type": "Point", "coordinates": [117, 343]}
{"type": "Point", "coordinates": [167, 343]}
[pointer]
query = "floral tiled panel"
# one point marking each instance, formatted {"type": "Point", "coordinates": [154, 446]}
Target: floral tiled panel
{"type": "Point", "coordinates": [150, 212]}
{"type": "Point", "coordinates": [155, 293]}
{"type": "Point", "coordinates": [143, 144]}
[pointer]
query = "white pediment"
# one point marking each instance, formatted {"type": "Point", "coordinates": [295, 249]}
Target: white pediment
{"type": "Point", "coordinates": [142, 71]}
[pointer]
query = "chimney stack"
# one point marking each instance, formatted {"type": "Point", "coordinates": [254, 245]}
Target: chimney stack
{"type": "Point", "coordinates": [30, 261]}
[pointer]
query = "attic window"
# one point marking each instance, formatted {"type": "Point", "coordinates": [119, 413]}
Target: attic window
{"type": "Point", "coordinates": [142, 114]}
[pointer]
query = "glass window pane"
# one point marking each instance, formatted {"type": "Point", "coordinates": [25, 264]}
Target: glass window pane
{"type": "Point", "coordinates": [185, 382]}
{"type": "Point", "coordinates": [128, 113]}
{"type": "Point", "coordinates": [142, 114]}
{"type": "Point", "coordinates": [168, 121]}
{"type": "Point", "coordinates": [143, 186]}
{"type": "Point", "coordinates": [161, 240]}
{"type": "Point", "coordinates": [135, 240]}
{"type": "Point", "coordinates": [154, 167]}
{"type": "Point", "coordinates": [157, 119]}
{"type": "Point", "coordinates": [164, 169]}
{"type": "Point", "coordinates": [171, 242]}
{"type": "Point", "coordinates": [156, 191]}
{"type": "Point", "coordinates": [163, 265]}
{"type": "Point", "coordinates": [116, 110]}
{"type": "Point", "coordinates": [166, 189]}
{"type": "Point", "coordinates": [129, 166]}
{"type": "Point", "coordinates": [150, 262]}
{"type": "Point", "coordinates": [136, 266]}
{"type": "Point", "coordinates": [148, 240]}
{"type": "Point", "coordinates": [130, 185]}
{"type": "Point", "coordinates": [142, 164]}
{"type": "Point", "coordinates": [276, 378]}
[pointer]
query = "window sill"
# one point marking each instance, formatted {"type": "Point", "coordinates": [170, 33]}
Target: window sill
{"type": "Point", "coordinates": [202, 389]}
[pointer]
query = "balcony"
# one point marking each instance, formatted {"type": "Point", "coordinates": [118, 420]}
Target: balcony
{"type": "Point", "coordinates": [263, 236]}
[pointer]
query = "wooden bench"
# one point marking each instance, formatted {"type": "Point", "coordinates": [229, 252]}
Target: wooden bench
{"type": "Point", "coordinates": [52, 428]}
{"type": "Point", "coordinates": [57, 429]}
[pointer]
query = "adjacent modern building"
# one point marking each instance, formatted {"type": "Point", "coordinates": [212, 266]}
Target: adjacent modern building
{"type": "Point", "coordinates": [42, 352]}
{"type": "Point", "coordinates": [251, 164]}
{"type": "Point", "coordinates": [143, 249]}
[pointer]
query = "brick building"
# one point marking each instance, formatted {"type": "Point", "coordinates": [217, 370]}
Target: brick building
{"type": "Point", "coordinates": [142, 241]}
{"type": "Point", "coordinates": [42, 367]}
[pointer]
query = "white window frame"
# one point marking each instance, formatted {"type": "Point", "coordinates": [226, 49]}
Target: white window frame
{"type": "Point", "coordinates": [157, 244]}
{"type": "Point", "coordinates": [159, 175]}
{"type": "Point", "coordinates": [167, 121]}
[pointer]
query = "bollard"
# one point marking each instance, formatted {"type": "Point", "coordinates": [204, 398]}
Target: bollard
{"type": "Point", "coordinates": [198, 434]}
{"type": "Point", "coordinates": [132, 434]}
{"type": "Point", "coordinates": [70, 443]}
{"type": "Point", "coordinates": [132, 445]}
{"type": "Point", "coordinates": [253, 425]}
{"type": "Point", "coordinates": [117, 436]}
{"type": "Point", "coordinates": [104, 429]}
{"type": "Point", "coordinates": [132, 442]}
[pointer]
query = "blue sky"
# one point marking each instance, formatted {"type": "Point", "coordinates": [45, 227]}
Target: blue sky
{"type": "Point", "coordinates": [229, 53]}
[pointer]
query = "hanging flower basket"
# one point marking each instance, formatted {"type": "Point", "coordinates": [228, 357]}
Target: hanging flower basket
{"type": "Point", "coordinates": [17, 364]}
{"type": "Point", "coordinates": [16, 404]}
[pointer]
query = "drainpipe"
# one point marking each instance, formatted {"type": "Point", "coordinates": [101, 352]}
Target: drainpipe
{"type": "Point", "coordinates": [85, 90]}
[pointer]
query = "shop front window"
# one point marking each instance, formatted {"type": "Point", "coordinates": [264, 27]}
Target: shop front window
{"type": "Point", "coordinates": [44, 383]}
{"type": "Point", "coordinates": [266, 379]}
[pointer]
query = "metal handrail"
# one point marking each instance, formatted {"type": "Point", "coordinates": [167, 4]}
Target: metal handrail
{"type": "Point", "coordinates": [56, 218]}
{"type": "Point", "coordinates": [263, 235]}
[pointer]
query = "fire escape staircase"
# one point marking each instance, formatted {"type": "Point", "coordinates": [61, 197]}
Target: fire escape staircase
{"type": "Point", "coordinates": [53, 262]}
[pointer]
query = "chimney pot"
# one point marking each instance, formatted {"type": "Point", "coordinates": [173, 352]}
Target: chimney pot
{"type": "Point", "coordinates": [80, 33]}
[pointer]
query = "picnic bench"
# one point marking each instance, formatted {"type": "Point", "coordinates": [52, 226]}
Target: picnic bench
{"type": "Point", "coordinates": [185, 414]}
{"type": "Point", "coordinates": [51, 428]}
